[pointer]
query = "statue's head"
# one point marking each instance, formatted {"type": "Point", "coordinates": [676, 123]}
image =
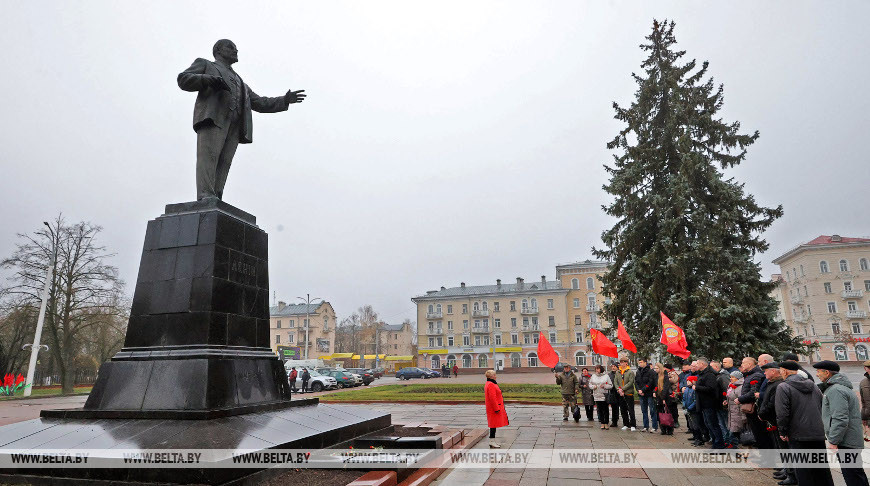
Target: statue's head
{"type": "Point", "coordinates": [226, 50]}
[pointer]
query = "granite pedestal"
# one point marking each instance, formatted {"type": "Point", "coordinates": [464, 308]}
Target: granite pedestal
{"type": "Point", "coordinates": [196, 369]}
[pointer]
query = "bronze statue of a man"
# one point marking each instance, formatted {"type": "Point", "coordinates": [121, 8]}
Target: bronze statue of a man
{"type": "Point", "coordinates": [222, 114]}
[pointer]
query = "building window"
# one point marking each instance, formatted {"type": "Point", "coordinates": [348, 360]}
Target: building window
{"type": "Point", "coordinates": [863, 264]}
{"type": "Point", "coordinates": [431, 342]}
{"type": "Point", "coordinates": [590, 283]}
{"type": "Point", "coordinates": [580, 358]}
{"type": "Point", "coordinates": [481, 361]}
{"type": "Point", "coordinates": [466, 340]}
{"type": "Point", "coordinates": [535, 337]}
{"type": "Point", "coordinates": [591, 301]}
{"type": "Point", "coordinates": [525, 322]}
{"type": "Point", "coordinates": [802, 271]}
{"type": "Point", "coordinates": [576, 303]}
{"type": "Point", "coordinates": [436, 361]}
{"type": "Point", "coordinates": [853, 306]}
{"type": "Point", "coordinates": [450, 340]}
{"type": "Point", "coordinates": [551, 320]}
{"type": "Point", "coordinates": [476, 306]}
{"type": "Point", "coordinates": [497, 323]}
{"type": "Point", "coordinates": [867, 285]}
{"type": "Point", "coordinates": [575, 283]}
{"type": "Point", "coordinates": [465, 308]}
{"type": "Point", "coordinates": [451, 360]}
{"type": "Point", "coordinates": [292, 323]}
{"type": "Point", "coordinates": [431, 308]}
{"type": "Point", "coordinates": [477, 340]}
{"type": "Point", "coordinates": [840, 353]}
{"type": "Point", "coordinates": [516, 360]}
{"type": "Point", "coordinates": [527, 339]}
{"type": "Point", "coordinates": [534, 303]}
{"type": "Point", "coordinates": [465, 324]}
{"type": "Point", "coordinates": [847, 286]}
{"type": "Point", "coordinates": [515, 339]}
{"type": "Point", "coordinates": [552, 337]}
{"type": "Point", "coordinates": [277, 339]}
{"type": "Point", "coordinates": [823, 266]}
{"type": "Point", "coordinates": [835, 327]}
{"type": "Point", "coordinates": [593, 319]}
{"type": "Point", "coordinates": [550, 304]}
{"type": "Point", "coordinates": [449, 325]}
{"type": "Point", "coordinates": [828, 289]}
{"type": "Point", "coordinates": [450, 308]}
{"type": "Point", "coordinates": [576, 320]}
{"type": "Point", "coordinates": [856, 328]}
{"type": "Point", "coordinates": [513, 322]}
{"type": "Point", "coordinates": [466, 361]}
{"type": "Point", "coordinates": [832, 307]}
{"type": "Point", "coordinates": [861, 352]}
{"type": "Point", "coordinates": [844, 266]}
{"type": "Point", "coordinates": [498, 339]}
{"type": "Point", "coordinates": [279, 324]}
{"type": "Point", "coordinates": [495, 306]}
{"type": "Point", "coordinates": [440, 341]}
{"type": "Point", "coordinates": [535, 323]}
{"type": "Point", "coordinates": [533, 360]}
{"type": "Point", "coordinates": [578, 337]}
{"type": "Point", "coordinates": [513, 305]}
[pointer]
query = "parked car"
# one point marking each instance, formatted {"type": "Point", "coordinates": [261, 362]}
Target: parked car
{"type": "Point", "coordinates": [367, 375]}
{"type": "Point", "coordinates": [432, 373]}
{"type": "Point", "coordinates": [357, 378]}
{"type": "Point", "coordinates": [343, 378]}
{"type": "Point", "coordinates": [319, 381]}
{"type": "Point", "coordinates": [412, 372]}
{"type": "Point", "coordinates": [378, 372]}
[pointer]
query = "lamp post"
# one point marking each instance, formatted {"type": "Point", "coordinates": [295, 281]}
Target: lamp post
{"type": "Point", "coordinates": [308, 300]}
{"type": "Point", "coordinates": [35, 347]}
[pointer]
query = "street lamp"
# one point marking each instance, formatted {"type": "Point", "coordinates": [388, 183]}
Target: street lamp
{"type": "Point", "coordinates": [308, 300]}
{"type": "Point", "coordinates": [35, 347]}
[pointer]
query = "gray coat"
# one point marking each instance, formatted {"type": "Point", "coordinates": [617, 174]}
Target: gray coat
{"type": "Point", "coordinates": [215, 106]}
{"type": "Point", "coordinates": [841, 413]}
{"type": "Point", "coordinates": [736, 418]}
{"type": "Point", "coordinates": [799, 409]}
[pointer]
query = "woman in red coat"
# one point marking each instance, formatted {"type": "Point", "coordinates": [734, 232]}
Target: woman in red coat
{"type": "Point", "coordinates": [496, 416]}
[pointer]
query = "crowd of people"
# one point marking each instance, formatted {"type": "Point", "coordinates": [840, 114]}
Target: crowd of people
{"type": "Point", "coordinates": [771, 405]}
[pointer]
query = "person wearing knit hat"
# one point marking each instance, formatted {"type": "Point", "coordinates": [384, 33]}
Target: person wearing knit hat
{"type": "Point", "coordinates": [693, 414]}
{"type": "Point", "coordinates": [736, 418]}
{"type": "Point", "coordinates": [841, 417]}
{"type": "Point", "coordinates": [737, 374]}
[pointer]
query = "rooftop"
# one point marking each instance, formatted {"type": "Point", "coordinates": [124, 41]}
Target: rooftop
{"type": "Point", "coordinates": [499, 288]}
{"type": "Point", "coordinates": [823, 241]}
{"type": "Point", "coordinates": [294, 309]}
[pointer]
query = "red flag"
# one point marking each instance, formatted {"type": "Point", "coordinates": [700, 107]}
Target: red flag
{"type": "Point", "coordinates": [546, 353]}
{"type": "Point", "coordinates": [623, 336]}
{"type": "Point", "coordinates": [601, 345]}
{"type": "Point", "coordinates": [674, 337]}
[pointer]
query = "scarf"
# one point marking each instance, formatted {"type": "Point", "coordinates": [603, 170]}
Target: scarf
{"type": "Point", "coordinates": [490, 379]}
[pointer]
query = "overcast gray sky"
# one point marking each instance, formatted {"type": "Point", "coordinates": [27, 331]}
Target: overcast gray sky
{"type": "Point", "coordinates": [441, 142]}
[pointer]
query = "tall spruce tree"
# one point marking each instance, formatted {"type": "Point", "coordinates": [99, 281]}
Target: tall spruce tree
{"type": "Point", "coordinates": [686, 236]}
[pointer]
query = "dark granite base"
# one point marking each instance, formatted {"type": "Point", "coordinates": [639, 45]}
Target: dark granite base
{"type": "Point", "coordinates": [83, 413]}
{"type": "Point", "coordinates": [304, 427]}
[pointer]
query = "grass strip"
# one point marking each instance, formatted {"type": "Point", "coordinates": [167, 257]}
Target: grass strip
{"type": "Point", "coordinates": [446, 392]}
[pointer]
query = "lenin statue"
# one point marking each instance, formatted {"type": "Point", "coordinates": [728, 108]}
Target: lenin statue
{"type": "Point", "coordinates": [222, 114]}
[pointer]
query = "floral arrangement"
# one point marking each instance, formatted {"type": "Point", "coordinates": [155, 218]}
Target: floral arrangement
{"type": "Point", "coordinates": [11, 384]}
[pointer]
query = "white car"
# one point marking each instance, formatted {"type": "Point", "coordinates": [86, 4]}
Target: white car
{"type": "Point", "coordinates": [357, 378]}
{"type": "Point", "coordinates": [318, 382]}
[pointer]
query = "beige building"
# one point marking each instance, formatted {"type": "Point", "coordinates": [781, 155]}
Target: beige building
{"type": "Point", "coordinates": [824, 295]}
{"type": "Point", "coordinates": [398, 340]}
{"type": "Point", "coordinates": [287, 326]}
{"type": "Point", "coordinates": [465, 325]}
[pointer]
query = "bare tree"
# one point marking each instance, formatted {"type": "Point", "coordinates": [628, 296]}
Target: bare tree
{"type": "Point", "coordinates": [17, 326]}
{"type": "Point", "coordinates": [84, 289]}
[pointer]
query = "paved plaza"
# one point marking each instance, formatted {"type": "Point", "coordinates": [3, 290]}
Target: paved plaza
{"type": "Point", "coordinates": [532, 427]}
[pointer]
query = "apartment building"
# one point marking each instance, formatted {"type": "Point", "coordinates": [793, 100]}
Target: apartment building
{"type": "Point", "coordinates": [824, 290]}
{"type": "Point", "coordinates": [398, 341]}
{"type": "Point", "coordinates": [287, 326]}
{"type": "Point", "coordinates": [472, 325]}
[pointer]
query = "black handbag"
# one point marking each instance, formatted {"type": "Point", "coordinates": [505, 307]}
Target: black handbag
{"type": "Point", "coordinates": [576, 412]}
{"type": "Point", "coordinates": [747, 437]}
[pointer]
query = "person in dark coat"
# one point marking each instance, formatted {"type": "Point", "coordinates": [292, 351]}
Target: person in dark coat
{"type": "Point", "coordinates": [613, 397]}
{"type": "Point", "coordinates": [767, 413]}
{"type": "Point", "coordinates": [663, 395]}
{"type": "Point", "coordinates": [709, 401]}
{"type": "Point", "coordinates": [305, 377]}
{"type": "Point", "coordinates": [644, 381]}
{"type": "Point", "coordinates": [724, 379]}
{"type": "Point", "coordinates": [801, 371]}
{"type": "Point", "coordinates": [586, 394]}
{"type": "Point", "coordinates": [799, 421]}
{"type": "Point", "coordinates": [752, 379]}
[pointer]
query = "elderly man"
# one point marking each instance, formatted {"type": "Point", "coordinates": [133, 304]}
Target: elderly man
{"type": "Point", "coordinates": [570, 387]}
{"type": "Point", "coordinates": [841, 416]}
{"type": "Point", "coordinates": [799, 421]}
{"type": "Point", "coordinates": [767, 413]}
{"type": "Point", "coordinates": [752, 380]}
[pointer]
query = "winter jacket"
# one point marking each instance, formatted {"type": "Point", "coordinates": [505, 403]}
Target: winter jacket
{"type": "Point", "coordinates": [736, 418]}
{"type": "Point", "coordinates": [841, 413]}
{"type": "Point", "coordinates": [865, 397]}
{"type": "Point", "coordinates": [600, 385]}
{"type": "Point", "coordinates": [799, 409]}
{"type": "Point", "coordinates": [751, 384]}
{"type": "Point", "coordinates": [684, 376]}
{"type": "Point", "coordinates": [625, 381]}
{"type": "Point", "coordinates": [664, 396]}
{"type": "Point", "coordinates": [689, 400]}
{"type": "Point", "coordinates": [644, 380]}
{"type": "Point", "coordinates": [585, 390]}
{"type": "Point", "coordinates": [767, 404]}
{"type": "Point", "coordinates": [570, 384]}
{"type": "Point", "coordinates": [293, 375]}
{"type": "Point", "coordinates": [724, 379]}
{"type": "Point", "coordinates": [306, 375]}
{"type": "Point", "coordinates": [612, 396]}
{"type": "Point", "coordinates": [707, 393]}
{"type": "Point", "coordinates": [496, 416]}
